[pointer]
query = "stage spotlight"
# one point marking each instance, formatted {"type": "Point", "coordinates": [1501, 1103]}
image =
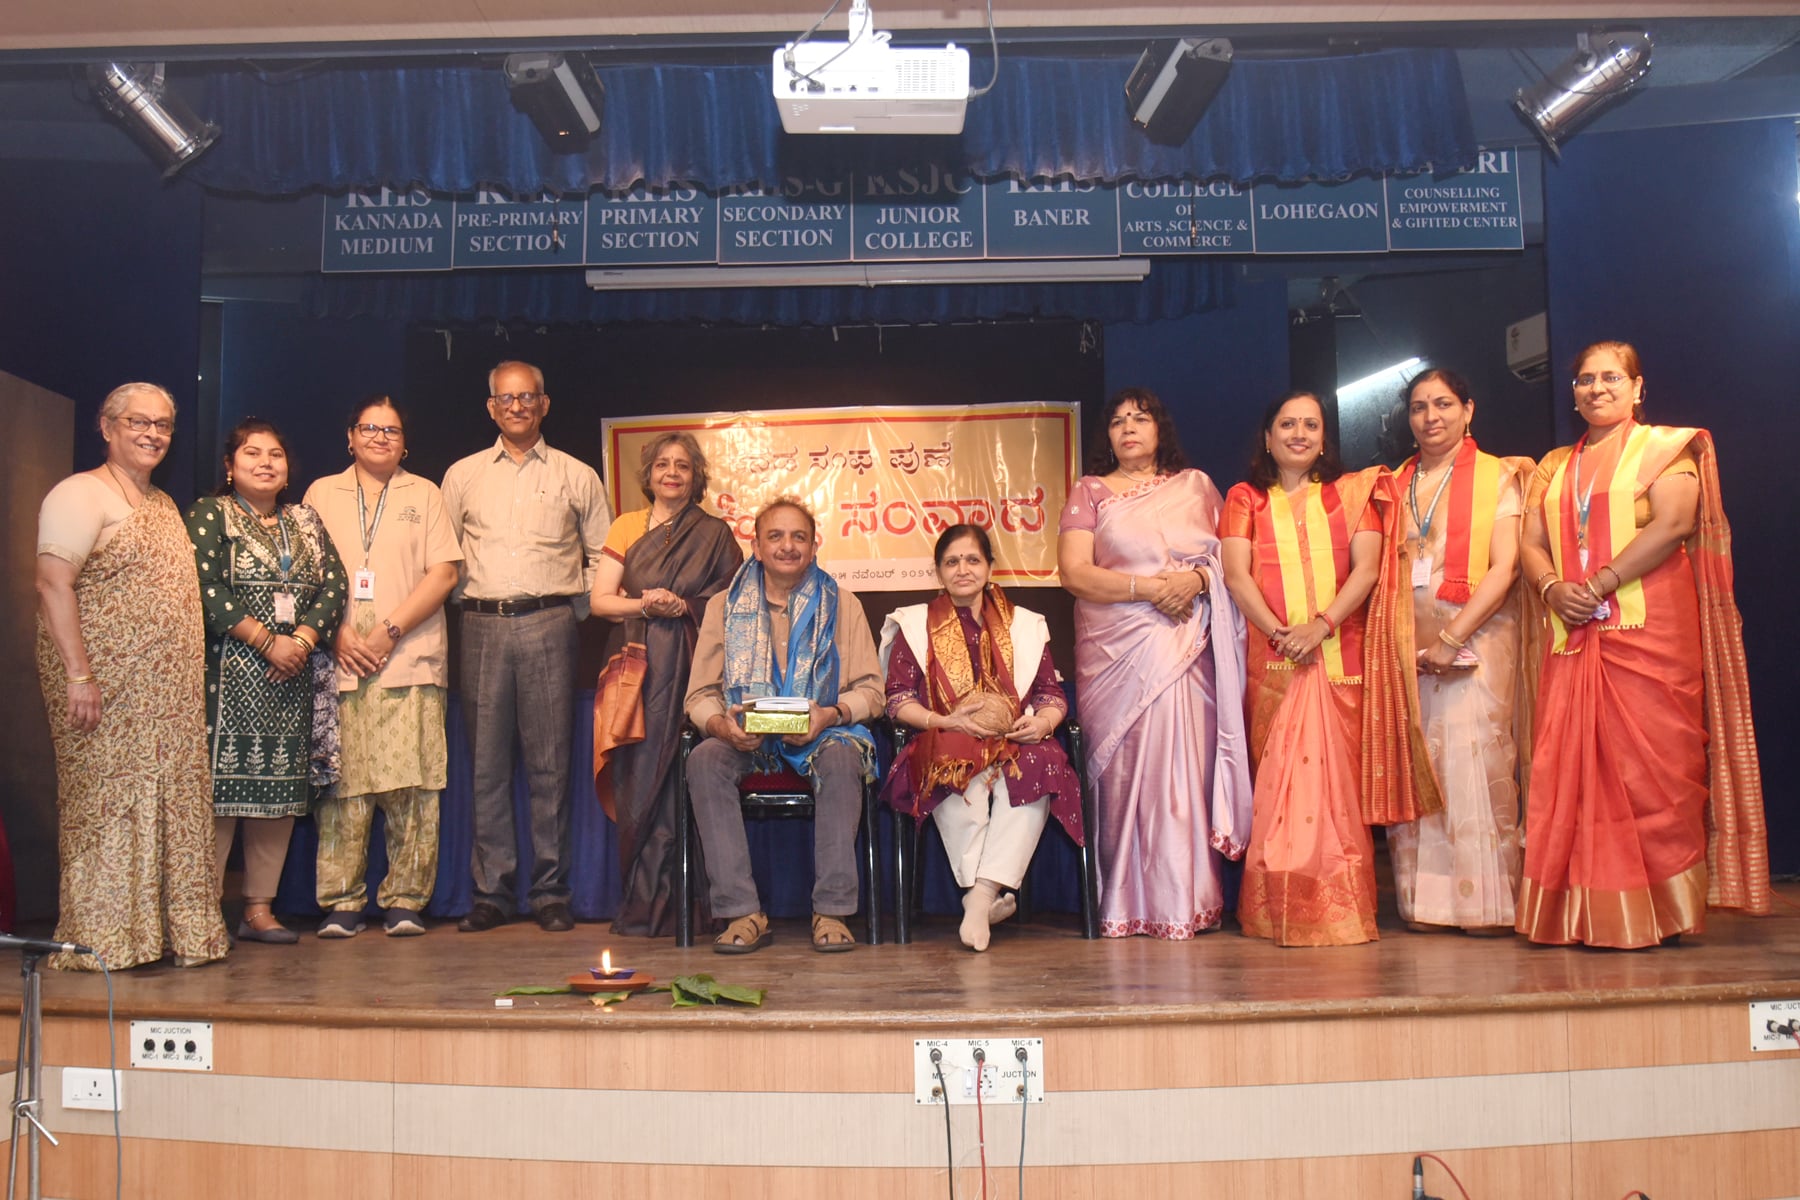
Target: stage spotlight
{"type": "Point", "coordinates": [135, 95]}
{"type": "Point", "coordinates": [1604, 67]}
{"type": "Point", "coordinates": [561, 94]}
{"type": "Point", "coordinates": [1173, 83]}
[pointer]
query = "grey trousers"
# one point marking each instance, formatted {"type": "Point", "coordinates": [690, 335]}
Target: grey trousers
{"type": "Point", "coordinates": [518, 677]}
{"type": "Point", "coordinates": [713, 771]}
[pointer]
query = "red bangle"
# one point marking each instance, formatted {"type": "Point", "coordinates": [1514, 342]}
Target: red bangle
{"type": "Point", "coordinates": [1330, 625]}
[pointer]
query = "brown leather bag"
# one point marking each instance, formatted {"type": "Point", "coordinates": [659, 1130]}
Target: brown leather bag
{"type": "Point", "coordinates": [618, 715]}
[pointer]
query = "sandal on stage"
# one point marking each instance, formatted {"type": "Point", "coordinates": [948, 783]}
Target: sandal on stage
{"type": "Point", "coordinates": [745, 935]}
{"type": "Point", "coordinates": [830, 935]}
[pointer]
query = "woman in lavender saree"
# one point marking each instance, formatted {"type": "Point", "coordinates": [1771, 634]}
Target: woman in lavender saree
{"type": "Point", "coordinates": [1159, 664]}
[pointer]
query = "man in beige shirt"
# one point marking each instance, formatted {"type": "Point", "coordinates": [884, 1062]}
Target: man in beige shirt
{"type": "Point", "coordinates": [783, 628]}
{"type": "Point", "coordinates": [531, 521]}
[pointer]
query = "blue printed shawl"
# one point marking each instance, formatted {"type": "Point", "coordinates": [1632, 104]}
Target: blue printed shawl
{"type": "Point", "coordinates": [812, 657]}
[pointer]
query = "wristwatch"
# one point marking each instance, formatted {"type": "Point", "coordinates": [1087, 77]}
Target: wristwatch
{"type": "Point", "coordinates": [393, 630]}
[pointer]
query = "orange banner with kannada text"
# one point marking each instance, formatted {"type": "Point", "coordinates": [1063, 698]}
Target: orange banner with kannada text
{"type": "Point", "coordinates": [882, 482]}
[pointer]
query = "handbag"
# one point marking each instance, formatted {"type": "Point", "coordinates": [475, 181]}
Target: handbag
{"type": "Point", "coordinates": [618, 716]}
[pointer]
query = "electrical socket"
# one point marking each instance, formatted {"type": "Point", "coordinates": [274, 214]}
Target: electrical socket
{"type": "Point", "coordinates": [1004, 1078]}
{"type": "Point", "coordinates": [91, 1087]}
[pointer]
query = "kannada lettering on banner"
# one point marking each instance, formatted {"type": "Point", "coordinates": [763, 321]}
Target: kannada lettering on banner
{"type": "Point", "coordinates": [645, 227]}
{"type": "Point", "coordinates": [807, 221]}
{"type": "Point", "coordinates": [1321, 218]}
{"type": "Point", "coordinates": [1185, 216]}
{"type": "Point", "coordinates": [1052, 220]}
{"type": "Point", "coordinates": [498, 230]}
{"type": "Point", "coordinates": [883, 482]}
{"type": "Point", "coordinates": [919, 212]}
{"type": "Point", "coordinates": [387, 229]}
{"type": "Point", "coordinates": [1477, 209]}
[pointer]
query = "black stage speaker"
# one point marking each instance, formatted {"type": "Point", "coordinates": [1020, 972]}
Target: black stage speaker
{"type": "Point", "coordinates": [1173, 83]}
{"type": "Point", "coordinates": [562, 96]}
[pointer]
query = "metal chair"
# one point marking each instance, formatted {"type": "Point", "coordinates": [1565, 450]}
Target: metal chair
{"type": "Point", "coordinates": [780, 796]}
{"type": "Point", "coordinates": [909, 835]}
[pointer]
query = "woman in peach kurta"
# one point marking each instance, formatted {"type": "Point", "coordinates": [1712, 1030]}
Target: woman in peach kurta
{"type": "Point", "coordinates": [1459, 867]}
{"type": "Point", "coordinates": [1646, 798]}
{"type": "Point", "coordinates": [1303, 552]}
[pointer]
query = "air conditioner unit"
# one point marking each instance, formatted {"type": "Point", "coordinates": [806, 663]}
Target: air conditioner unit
{"type": "Point", "coordinates": [1528, 348]}
{"type": "Point", "coordinates": [865, 85]}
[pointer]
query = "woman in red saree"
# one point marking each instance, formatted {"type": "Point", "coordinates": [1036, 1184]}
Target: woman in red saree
{"type": "Point", "coordinates": [1303, 553]}
{"type": "Point", "coordinates": [1646, 794]}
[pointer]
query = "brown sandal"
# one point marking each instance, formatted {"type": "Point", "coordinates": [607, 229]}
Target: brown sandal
{"type": "Point", "coordinates": [745, 935]}
{"type": "Point", "coordinates": [830, 935]}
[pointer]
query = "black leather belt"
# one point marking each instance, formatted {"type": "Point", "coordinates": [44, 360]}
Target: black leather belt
{"type": "Point", "coordinates": [514, 608]}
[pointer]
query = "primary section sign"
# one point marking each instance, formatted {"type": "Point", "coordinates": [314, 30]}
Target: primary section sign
{"type": "Point", "coordinates": [882, 482]}
{"type": "Point", "coordinates": [924, 211]}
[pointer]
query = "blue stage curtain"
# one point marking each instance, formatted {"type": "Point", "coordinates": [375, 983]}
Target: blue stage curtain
{"type": "Point", "coordinates": [1176, 287]}
{"type": "Point", "coordinates": [780, 851]}
{"type": "Point", "coordinates": [452, 129]}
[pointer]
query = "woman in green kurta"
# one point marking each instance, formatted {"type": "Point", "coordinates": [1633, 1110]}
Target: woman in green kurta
{"type": "Point", "coordinates": [273, 589]}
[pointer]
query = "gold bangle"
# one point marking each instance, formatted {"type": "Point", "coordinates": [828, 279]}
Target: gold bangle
{"type": "Point", "coordinates": [1444, 637]}
{"type": "Point", "coordinates": [1544, 588]}
{"type": "Point", "coordinates": [304, 644]}
{"type": "Point", "coordinates": [81, 679]}
{"type": "Point", "coordinates": [1550, 574]}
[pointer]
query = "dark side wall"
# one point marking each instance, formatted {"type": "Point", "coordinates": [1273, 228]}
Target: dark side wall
{"type": "Point", "coordinates": [1686, 243]}
{"type": "Point", "coordinates": [100, 285]}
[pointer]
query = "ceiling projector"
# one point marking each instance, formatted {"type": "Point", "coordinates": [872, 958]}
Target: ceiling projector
{"type": "Point", "coordinates": [865, 85]}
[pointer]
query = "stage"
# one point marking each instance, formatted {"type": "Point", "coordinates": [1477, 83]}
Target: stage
{"type": "Point", "coordinates": [378, 1067]}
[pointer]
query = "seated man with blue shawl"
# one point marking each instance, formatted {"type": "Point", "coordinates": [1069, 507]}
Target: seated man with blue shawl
{"type": "Point", "coordinates": [783, 628]}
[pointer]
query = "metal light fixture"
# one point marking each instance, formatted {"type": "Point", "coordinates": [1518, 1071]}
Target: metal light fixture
{"type": "Point", "coordinates": [136, 95]}
{"type": "Point", "coordinates": [1604, 67]}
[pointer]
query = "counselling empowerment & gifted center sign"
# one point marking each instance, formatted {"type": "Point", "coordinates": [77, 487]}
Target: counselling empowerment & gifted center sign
{"type": "Point", "coordinates": [882, 482]}
{"type": "Point", "coordinates": [924, 212]}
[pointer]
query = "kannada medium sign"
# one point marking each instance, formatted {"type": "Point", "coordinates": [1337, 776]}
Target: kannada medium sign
{"type": "Point", "coordinates": [925, 212]}
{"type": "Point", "coordinates": [882, 482]}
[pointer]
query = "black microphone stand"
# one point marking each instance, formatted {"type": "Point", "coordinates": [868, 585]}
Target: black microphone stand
{"type": "Point", "coordinates": [28, 1076]}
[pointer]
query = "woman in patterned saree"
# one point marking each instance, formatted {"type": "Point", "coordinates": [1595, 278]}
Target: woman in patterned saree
{"type": "Point", "coordinates": [1646, 794]}
{"type": "Point", "coordinates": [658, 568]}
{"type": "Point", "coordinates": [119, 650]}
{"type": "Point", "coordinates": [1159, 669]}
{"type": "Point", "coordinates": [973, 673]}
{"type": "Point", "coordinates": [1303, 551]}
{"type": "Point", "coordinates": [1459, 867]}
{"type": "Point", "coordinates": [272, 589]}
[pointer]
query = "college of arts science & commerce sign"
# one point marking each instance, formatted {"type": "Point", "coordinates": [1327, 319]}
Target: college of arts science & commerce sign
{"type": "Point", "coordinates": [924, 213]}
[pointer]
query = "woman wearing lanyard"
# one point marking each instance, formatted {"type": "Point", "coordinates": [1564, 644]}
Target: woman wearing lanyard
{"type": "Point", "coordinates": [1459, 867]}
{"type": "Point", "coordinates": [1644, 766]}
{"type": "Point", "coordinates": [392, 675]}
{"type": "Point", "coordinates": [272, 589]}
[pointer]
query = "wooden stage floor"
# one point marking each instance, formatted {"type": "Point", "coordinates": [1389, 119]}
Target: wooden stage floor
{"type": "Point", "coordinates": [381, 1069]}
{"type": "Point", "coordinates": [1042, 974]}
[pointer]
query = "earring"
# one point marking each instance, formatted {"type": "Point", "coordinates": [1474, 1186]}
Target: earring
{"type": "Point", "coordinates": [228, 478]}
{"type": "Point", "coordinates": [404, 453]}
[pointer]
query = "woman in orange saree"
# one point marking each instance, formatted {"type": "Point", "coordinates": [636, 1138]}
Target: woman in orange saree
{"type": "Point", "coordinates": [1646, 795]}
{"type": "Point", "coordinates": [1302, 554]}
{"type": "Point", "coordinates": [1459, 868]}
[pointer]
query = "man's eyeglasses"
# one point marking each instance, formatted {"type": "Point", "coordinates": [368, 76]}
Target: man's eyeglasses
{"type": "Point", "coordinates": [522, 399]}
{"type": "Point", "coordinates": [145, 425]}
{"type": "Point", "coordinates": [372, 432]}
{"type": "Point", "coordinates": [1609, 378]}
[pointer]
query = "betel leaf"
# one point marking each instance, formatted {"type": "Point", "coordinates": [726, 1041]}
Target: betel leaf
{"type": "Point", "coordinates": [737, 993]}
{"type": "Point", "coordinates": [538, 989]}
{"type": "Point", "coordinates": [693, 990]}
{"type": "Point", "coordinates": [602, 999]}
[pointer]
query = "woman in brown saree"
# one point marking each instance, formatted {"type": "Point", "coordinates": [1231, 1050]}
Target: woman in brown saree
{"type": "Point", "coordinates": [657, 570]}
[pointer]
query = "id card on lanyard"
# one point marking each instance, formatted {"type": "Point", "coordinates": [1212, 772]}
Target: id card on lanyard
{"type": "Point", "coordinates": [287, 609]}
{"type": "Point", "coordinates": [363, 582]}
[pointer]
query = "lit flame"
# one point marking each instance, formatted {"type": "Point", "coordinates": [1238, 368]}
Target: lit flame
{"type": "Point", "coordinates": [606, 962]}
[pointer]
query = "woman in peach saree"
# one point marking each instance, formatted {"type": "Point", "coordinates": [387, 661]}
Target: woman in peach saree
{"type": "Point", "coordinates": [1646, 794]}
